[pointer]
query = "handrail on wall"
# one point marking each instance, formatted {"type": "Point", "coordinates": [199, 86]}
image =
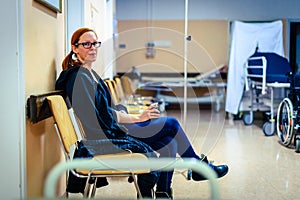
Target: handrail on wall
{"type": "Point", "coordinates": [154, 164]}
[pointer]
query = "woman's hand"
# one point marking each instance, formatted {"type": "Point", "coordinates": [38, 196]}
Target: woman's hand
{"type": "Point", "coordinates": [151, 112]}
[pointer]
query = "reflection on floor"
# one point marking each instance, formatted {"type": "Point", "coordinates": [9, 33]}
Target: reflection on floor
{"type": "Point", "coordinates": [260, 168]}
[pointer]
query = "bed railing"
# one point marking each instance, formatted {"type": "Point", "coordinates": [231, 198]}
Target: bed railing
{"type": "Point", "coordinates": [160, 164]}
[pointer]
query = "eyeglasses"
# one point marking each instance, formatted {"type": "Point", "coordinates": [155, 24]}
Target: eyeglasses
{"type": "Point", "coordinates": [88, 45]}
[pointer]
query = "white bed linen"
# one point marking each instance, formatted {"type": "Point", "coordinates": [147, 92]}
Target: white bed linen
{"type": "Point", "coordinates": [245, 37]}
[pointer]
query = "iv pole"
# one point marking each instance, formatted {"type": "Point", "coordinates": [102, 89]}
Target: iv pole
{"type": "Point", "coordinates": [185, 63]}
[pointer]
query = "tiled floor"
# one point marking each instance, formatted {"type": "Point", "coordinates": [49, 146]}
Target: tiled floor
{"type": "Point", "coordinates": [260, 167]}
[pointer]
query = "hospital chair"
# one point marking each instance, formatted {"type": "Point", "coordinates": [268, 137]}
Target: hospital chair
{"type": "Point", "coordinates": [264, 72]}
{"type": "Point", "coordinates": [133, 106]}
{"type": "Point", "coordinates": [135, 94]}
{"type": "Point", "coordinates": [128, 86]}
{"type": "Point", "coordinates": [119, 88]}
{"type": "Point", "coordinates": [70, 134]}
{"type": "Point", "coordinates": [111, 87]}
{"type": "Point", "coordinates": [131, 90]}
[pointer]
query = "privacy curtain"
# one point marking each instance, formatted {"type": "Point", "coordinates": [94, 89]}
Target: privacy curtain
{"type": "Point", "coordinates": [245, 37]}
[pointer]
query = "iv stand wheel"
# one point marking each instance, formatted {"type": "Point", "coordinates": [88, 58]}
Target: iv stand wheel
{"type": "Point", "coordinates": [297, 145]}
{"type": "Point", "coordinates": [248, 118]}
{"type": "Point", "coordinates": [269, 128]}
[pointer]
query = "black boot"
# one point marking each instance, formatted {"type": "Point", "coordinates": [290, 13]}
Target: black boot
{"type": "Point", "coordinates": [146, 183]}
{"type": "Point", "coordinates": [164, 195]}
{"type": "Point", "coordinates": [221, 170]}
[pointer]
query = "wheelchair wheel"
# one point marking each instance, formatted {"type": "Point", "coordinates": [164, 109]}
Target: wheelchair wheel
{"type": "Point", "coordinates": [217, 106]}
{"type": "Point", "coordinates": [297, 145]}
{"type": "Point", "coordinates": [268, 128]}
{"type": "Point", "coordinates": [285, 121]}
{"type": "Point", "coordinates": [248, 118]}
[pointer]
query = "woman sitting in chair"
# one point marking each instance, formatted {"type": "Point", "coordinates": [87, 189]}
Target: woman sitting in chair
{"type": "Point", "coordinates": [92, 103]}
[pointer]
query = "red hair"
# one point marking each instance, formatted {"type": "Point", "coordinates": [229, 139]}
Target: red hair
{"type": "Point", "coordinates": [68, 62]}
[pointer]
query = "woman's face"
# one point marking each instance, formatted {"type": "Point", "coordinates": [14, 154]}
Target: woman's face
{"type": "Point", "coordinates": [86, 55]}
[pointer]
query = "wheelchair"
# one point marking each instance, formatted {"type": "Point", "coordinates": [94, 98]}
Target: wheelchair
{"type": "Point", "coordinates": [288, 115]}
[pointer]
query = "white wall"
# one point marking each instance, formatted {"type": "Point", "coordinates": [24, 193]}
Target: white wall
{"type": "Point", "coordinates": [209, 9]}
{"type": "Point", "coordinates": [98, 15]}
{"type": "Point", "coordinates": [12, 115]}
{"type": "Point", "coordinates": [108, 45]}
{"type": "Point", "coordinates": [74, 10]}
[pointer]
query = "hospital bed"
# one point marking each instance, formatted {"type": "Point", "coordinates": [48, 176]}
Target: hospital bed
{"type": "Point", "coordinates": [172, 92]}
{"type": "Point", "coordinates": [264, 72]}
{"type": "Point", "coordinates": [208, 88]}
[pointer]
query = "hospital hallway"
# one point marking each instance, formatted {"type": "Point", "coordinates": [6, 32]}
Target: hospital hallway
{"type": "Point", "coordinates": [259, 167]}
